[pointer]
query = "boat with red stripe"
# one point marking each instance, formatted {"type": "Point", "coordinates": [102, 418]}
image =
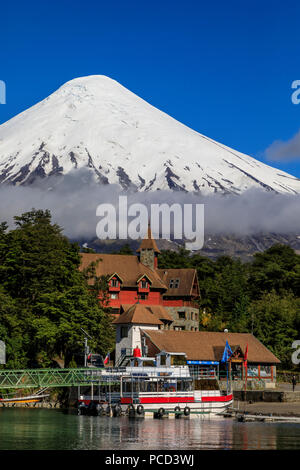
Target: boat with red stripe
{"type": "Point", "coordinates": [145, 390]}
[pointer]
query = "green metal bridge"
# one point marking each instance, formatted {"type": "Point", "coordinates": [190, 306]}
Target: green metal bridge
{"type": "Point", "coordinates": [37, 378]}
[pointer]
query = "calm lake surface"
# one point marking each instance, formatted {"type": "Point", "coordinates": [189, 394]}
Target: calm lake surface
{"type": "Point", "coordinates": [44, 429]}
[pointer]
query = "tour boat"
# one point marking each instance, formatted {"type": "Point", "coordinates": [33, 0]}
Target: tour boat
{"type": "Point", "coordinates": [161, 390]}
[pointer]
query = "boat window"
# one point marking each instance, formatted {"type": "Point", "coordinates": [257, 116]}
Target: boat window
{"type": "Point", "coordinates": [130, 386]}
{"type": "Point", "coordinates": [184, 385]}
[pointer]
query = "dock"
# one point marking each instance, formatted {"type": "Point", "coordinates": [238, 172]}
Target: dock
{"type": "Point", "coordinates": [244, 416]}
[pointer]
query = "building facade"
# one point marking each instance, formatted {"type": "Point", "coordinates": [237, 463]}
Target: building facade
{"type": "Point", "coordinates": [128, 325]}
{"type": "Point", "coordinates": [204, 350]}
{"type": "Point", "coordinates": [132, 279]}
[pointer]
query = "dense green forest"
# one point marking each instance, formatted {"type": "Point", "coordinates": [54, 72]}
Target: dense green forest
{"type": "Point", "coordinates": [260, 297]}
{"type": "Point", "coordinates": [44, 298]}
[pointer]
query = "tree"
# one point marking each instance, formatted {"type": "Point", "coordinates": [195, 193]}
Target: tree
{"type": "Point", "coordinates": [49, 295]}
{"type": "Point", "coordinates": [125, 250]}
{"type": "Point", "coordinates": [277, 268]}
{"type": "Point", "coordinates": [273, 321]}
{"type": "Point", "coordinates": [12, 332]}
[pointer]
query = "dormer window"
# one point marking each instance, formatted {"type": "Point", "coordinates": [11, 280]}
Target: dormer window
{"type": "Point", "coordinates": [174, 284]}
{"type": "Point", "coordinates": [144, 283]}
{"type": "Point", "coordinates": [114, 283]}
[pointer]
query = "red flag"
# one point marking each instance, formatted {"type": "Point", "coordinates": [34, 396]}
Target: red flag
{"type": "Point", "coordinates": [106, 359]}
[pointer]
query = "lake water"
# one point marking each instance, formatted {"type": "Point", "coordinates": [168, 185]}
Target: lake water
{"type": "Point", "coordinates": [44, 429]}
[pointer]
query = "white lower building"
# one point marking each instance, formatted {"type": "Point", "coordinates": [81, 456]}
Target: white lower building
{"type": "Point", "coordinates": [128, 330]}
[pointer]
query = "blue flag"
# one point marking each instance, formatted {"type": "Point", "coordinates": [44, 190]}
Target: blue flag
{"type": "Point", "coordinates": [227, 353]}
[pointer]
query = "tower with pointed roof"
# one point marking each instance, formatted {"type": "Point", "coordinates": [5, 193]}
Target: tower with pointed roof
{"type": "Point", "coordinates": [148, 251]}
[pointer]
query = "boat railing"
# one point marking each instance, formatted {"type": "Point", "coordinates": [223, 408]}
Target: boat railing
{"type": "Point", "coordinates": [163, 394]}
{"type": "Point", "coordinates": [102, 396]}
{"type": "Point", "coordinates": [176, 371]}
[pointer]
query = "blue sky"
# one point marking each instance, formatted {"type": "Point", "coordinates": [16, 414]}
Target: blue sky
{"type": "Point", "coordinates": [223, 68]}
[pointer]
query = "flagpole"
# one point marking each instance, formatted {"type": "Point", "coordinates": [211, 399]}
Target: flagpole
{"type": "Point", "coordinates": [227, 377]}
{"type": "Point", "coordinates": [245, 380]}
{"type": "Point", "coordinates": [246, 370]}
{"type": "Point", "coordinates": [225, 358]}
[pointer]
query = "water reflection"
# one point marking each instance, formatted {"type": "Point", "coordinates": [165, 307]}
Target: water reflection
{"type": "Point", "coordinates": [54, 429]}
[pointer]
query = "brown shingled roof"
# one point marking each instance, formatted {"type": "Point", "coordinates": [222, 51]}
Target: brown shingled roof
{"type": "Point", "coordinates": [209, 346]}
{"type": "Point", "coordinates": [161, 312]}
{"type": "Point", "coordinates": [186, 278]}
{"type": "Point", "coordinates": [158, 310]}
{"type": "Point", "coordinates": [127, 267]}
{"type": "Point", "coordinates": [138, 314]}
{"type": "Point", "coordinates": [148, 243]}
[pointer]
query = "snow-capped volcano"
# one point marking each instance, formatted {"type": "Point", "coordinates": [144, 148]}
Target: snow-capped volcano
{"type": "Point", "coordinates": [94, 122]}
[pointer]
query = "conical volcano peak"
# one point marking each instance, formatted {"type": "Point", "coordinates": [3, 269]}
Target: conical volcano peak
{"type": "Point", "coordinates": [96, 123]}
{"type": "Point", "coordinates": [92, 83]}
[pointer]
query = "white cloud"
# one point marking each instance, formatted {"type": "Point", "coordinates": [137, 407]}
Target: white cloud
{"type": "Point", "coordinates": [284, 150]}
{"type": "Point", "coordinates": [73, 206]}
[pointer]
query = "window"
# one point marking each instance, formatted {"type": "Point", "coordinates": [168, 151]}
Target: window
{"type": "Point", "coordinates": [178, 361]}
{"type": "Point", "coordinates": [163, 360]}
{"type": "Point", "coordinates": [143, 296]}
{"type": "Point", "coordinates": [252, 371]}
{"type": "Point", "coordinates": [114, 283]}
{"type": "Point", "coordinates": [124, 331]}
{"type": "Point", "coordinates": [114, 295]}
{"type": "Point", "coordinates": [174, 283]}
{"type": "Point", "coordinates": [265, 371]}
{"type": "Point", "coordinates": [181, 315]}
{"type": "Point", "coordinates": [144, 284]}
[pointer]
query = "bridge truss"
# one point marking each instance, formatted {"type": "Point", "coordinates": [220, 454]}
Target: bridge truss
{"type": "Point", "coordinates": [37, 378]}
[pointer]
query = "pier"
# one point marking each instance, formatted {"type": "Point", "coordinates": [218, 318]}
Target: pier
{"type": "Point", "coordinates": [245, 416]}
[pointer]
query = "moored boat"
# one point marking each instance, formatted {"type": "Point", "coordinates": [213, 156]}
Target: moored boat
{"type": "Point", "coordinates": [161, 390]}
{"type": "Point", "coordinates": [27, 399]}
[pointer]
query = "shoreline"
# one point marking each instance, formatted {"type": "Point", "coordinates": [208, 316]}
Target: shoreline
{"type": "Point", "coordinates": [288, 409]}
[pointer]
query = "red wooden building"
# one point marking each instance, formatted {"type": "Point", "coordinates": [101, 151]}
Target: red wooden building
{"type": "Point", "coordinates": [133, 279]}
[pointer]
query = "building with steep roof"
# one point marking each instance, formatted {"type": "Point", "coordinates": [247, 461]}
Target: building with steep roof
{"type": "Point", "coordinates": [151, 305]}
{"type": "Point", "coordinates": [204, 350]}
{"type": "Point", "coordinates": [128, 329]}
{"type": "Point", "coordinates": [173, 293]}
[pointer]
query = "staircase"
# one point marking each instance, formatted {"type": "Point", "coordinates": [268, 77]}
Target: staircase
{"type": "Point", "coordinates": [124, 358]}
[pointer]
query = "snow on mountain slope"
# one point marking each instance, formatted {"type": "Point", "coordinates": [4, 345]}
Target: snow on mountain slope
{"type": "Point", "coordinates": [94, 122]}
